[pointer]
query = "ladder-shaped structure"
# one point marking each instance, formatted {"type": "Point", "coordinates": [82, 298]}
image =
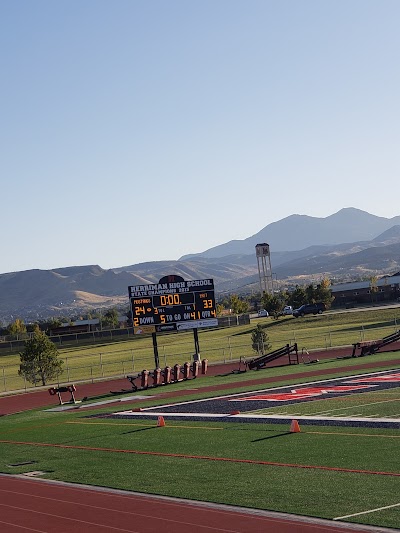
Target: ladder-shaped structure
{"type": "Point", "coordinates": [290, 351]}
{"type": "Point", "coordinates": [371, 347]}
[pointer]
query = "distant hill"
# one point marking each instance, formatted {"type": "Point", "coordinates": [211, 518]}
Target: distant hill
{"type": "Point", "coordinates": [297, 232]}
{"type": "Point", "coordinates": [38, 294]}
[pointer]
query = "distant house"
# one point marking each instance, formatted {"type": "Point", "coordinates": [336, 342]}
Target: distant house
{"type": "Point", "coordinates": [85, 326]}
{"type": "Point", "coordinates": [80, 326]}
{"type": "Point", "coordinates": [386, 289]}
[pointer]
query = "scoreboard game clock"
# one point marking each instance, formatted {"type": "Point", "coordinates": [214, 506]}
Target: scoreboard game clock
{"type": "Point", "coordinates": [173, 304]}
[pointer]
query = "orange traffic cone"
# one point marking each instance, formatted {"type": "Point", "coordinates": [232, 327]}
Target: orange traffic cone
{"type": "Point", "coordinates": [294, 427]}
{"type": "Point", "coordinates": [160, 422]}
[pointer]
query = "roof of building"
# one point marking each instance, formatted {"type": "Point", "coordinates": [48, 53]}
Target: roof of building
{"type": "Point", "coordinates": [354, 285]}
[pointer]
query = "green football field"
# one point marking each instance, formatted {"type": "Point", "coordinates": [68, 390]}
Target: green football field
{"type": "Point", "coordinates": [339, 473]}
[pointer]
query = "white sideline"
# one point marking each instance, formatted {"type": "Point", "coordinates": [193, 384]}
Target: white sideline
{"type": "Point", "coordinates": [366, 512]}
{"type": "Point", "coordinates": [148, 413]}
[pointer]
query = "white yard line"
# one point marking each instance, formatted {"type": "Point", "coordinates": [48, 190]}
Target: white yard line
{"type": "Point", "coordinates": [355, 406]}
{"type": "Point", "coordinates": [147, 414]}
{"type": "Point", "coordinates": [369, 511]}
{"type": "Point", "coordinates": [66, 407]}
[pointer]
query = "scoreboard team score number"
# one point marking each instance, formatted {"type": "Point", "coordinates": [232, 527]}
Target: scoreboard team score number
{"type": "Point", "coordinates": [175, 305]}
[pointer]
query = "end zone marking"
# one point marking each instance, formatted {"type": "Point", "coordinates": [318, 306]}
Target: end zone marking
{"type": "Point", "coordinates": [233, 396]}
{"type": "Point", "coordinates": [366, 512]}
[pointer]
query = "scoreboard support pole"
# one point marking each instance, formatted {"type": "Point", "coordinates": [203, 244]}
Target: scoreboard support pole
{"type": "Point", "coordinates": [155, 349]}
{"type": "Point", "coordinates": [196, 344]}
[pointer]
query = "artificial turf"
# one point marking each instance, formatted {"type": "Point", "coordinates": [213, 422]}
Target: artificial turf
{"type": "Point", "coordinates": [181, 462]}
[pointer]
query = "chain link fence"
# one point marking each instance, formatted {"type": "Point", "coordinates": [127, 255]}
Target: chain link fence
{"type": "Point", "coordinates": [105, 363]}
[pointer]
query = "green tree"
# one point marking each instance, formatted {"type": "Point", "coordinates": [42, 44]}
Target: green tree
{"type": "Point", "coordinates": [273, 304]}
{"type": "Point", "coordinates": [39, 359]}
{"type": "Point", "coordinates": [219, 309]}
{"type": "Point", "coordinates": [259, 340]}
{"type": "Point", "coordinates": [55, 323]}
{"type": "Point", "coordinates": [110, 319]}
{"type": "Point", "coordinates": [225, 301]}
{"type": "Point", "coordinates": [255, 301]}
{"type": "Point", "coordinates": [310, 294]}
{"type": "Point", "coordinates": [284, 295]}
{"type": "Point", "coordinates": [50, 325]}
{"type": "Point", "coordinates": [32, 326]}
{"type": "Point", "coordinates": [323, 292]}
{"type": "Point", "coordinates": [238, 305]}
{"type": "Point", "coordinates": [373, 287]}
{"type": "Point", "coordinates": [17, 327]}
{"type": "Point", "coordinates": [298, 297]}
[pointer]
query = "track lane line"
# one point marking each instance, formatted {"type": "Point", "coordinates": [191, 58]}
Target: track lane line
{"type": "Point", "coordinates": [23, 527]}
{"type": "Point", "coordinates": [86, 522]}
{"type": "Point", "coordinates": [269, 518]}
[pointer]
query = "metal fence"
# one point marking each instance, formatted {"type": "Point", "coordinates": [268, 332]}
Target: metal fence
{"type": "Point", "coordinates": [104, 363]}
{"type": "Point", "coordinates": [97, 365]}
{"type": "Point", "coordinates": [13, 343]}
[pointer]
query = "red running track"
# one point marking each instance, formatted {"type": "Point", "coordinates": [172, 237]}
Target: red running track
{"type": "Point", "coordinates": [15, 403]}
{"type": "Point", "coordinates": [38, 506]}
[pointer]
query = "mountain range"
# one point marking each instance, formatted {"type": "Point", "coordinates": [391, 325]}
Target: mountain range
{"type": "Point", "coordinates": [297, 232]}
{"type": "Point", "coordinates": [350, 244]}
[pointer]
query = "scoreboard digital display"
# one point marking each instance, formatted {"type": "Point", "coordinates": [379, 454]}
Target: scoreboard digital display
{"type": "Point", "coordinates": [176, 305]}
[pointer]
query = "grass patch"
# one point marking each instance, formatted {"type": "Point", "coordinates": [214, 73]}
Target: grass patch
{"type": "Point", "coordinates": [133, 354]}
{"type": "Point", "coordinates": [312, 492]}
{"type": "Point", "coordinates": [307, 491]}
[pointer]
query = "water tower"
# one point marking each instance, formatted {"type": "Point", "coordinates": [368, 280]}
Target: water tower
{"type": "Point", "coordinates": [264, 268]}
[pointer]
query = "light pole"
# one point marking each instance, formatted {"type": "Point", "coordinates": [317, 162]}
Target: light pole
{"type": "Point", "coordinates": [276, 282]}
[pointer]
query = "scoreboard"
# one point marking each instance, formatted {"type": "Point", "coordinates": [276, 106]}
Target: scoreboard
{"type": "Point", "coordinates": [173, 305]}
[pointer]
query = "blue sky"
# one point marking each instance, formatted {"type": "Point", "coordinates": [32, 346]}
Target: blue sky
{"type": "Point", "coordinates": [137, 131]}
